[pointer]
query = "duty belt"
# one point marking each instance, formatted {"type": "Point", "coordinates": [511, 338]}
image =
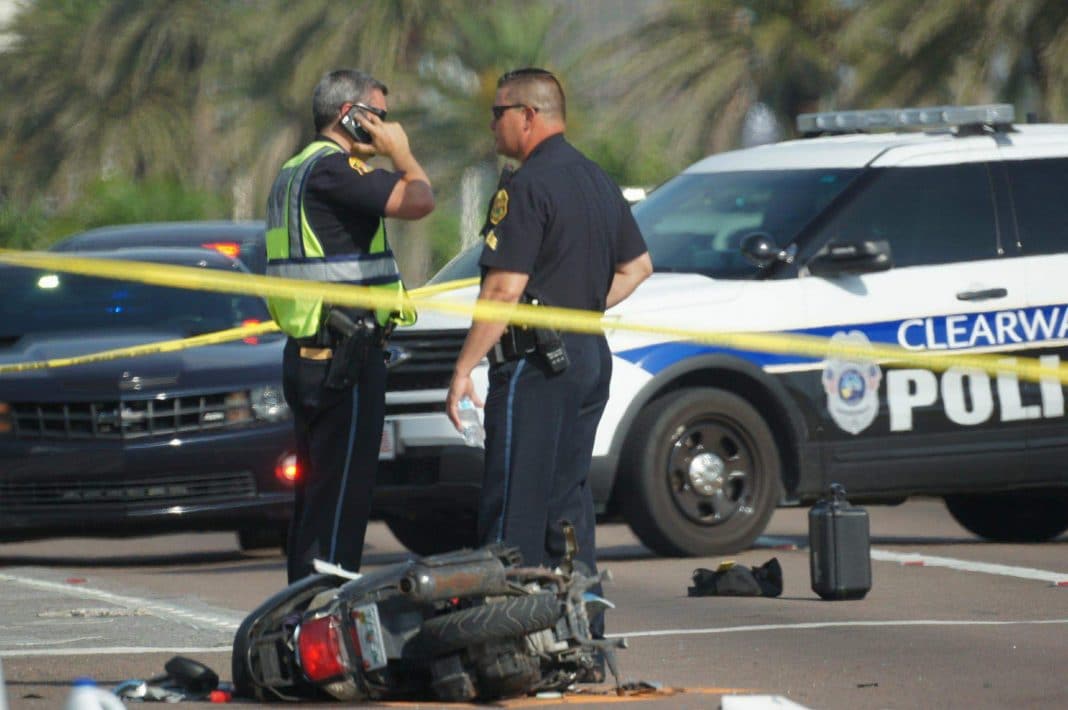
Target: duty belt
{"type": "Point", "coordinates": [515, 344]}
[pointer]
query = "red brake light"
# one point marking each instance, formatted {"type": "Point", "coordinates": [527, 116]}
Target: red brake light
{"type": "Point", "coordinates": [319, 645]}
{"type": "Point", "coordinates": [288, 469]}
{"type": "Point", "coordinates": [230, 249]}
{"type": "Point", "coordinates": [251, 340]}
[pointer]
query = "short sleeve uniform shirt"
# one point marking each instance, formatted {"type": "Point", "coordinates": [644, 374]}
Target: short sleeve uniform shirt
{"type": "Point", "coordinates": [345, 200]}
{"type": "Point", "coordinates": [560, 219]}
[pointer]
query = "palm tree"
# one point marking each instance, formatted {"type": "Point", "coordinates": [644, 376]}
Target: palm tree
{"type": "Point", "coordinates": [94, 88]}
{"type": "Point", "coordinates": [690, 73]}
{"type": "Point", "coordinates": [468, 48]}
{"type": "Point", "coordinates": [911, 52]}
{"type": "Point", "coordinates": [269, 57]}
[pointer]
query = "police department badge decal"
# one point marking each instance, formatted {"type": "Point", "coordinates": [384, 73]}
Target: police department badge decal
{"type": "Point", "coordinates": [358, 165]}
{"type": "Point", "coordinates": [852, 386]}
{"type": "Point", "coordinates": [500, 207]}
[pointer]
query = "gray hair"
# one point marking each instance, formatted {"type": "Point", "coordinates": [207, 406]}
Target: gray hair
{"type": "Point", "coordinates": [340, 87]}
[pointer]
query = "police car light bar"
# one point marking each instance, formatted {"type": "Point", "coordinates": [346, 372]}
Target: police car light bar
{"type": "Point", "coordinates": [930, 117]}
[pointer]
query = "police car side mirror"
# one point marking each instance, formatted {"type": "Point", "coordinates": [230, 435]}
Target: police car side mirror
{"type": "Point", "coordinates": [760, 248]}
{"type": "Point", "coordinates": [852, 258]}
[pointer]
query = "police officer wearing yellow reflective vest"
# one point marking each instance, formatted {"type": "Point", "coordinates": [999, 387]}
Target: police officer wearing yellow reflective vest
{"type": "Point", "coordinates": [558, 232]}
{"type": "Point", "coordinates": [325, 223]}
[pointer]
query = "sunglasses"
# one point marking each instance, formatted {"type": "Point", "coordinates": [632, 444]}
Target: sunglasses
{"type": "Point", "coordinates": [381, 113]}
{"type": "Point", "coordinates": [498, 111]}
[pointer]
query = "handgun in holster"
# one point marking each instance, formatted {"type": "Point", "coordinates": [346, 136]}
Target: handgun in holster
{"type": "Point", "coordinates": [351, 340]}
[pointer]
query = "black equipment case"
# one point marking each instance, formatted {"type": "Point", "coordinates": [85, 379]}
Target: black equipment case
{"type": "Point", "coordinates": [839, 548]}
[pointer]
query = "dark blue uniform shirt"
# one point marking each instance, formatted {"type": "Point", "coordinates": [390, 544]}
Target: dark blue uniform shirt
{"type": "Point", "coordinates": [345, 200]}
{"type": "Point", "coordinates": [561, 219]}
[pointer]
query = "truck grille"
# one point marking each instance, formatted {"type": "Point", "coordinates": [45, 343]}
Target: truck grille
{"type": "Point", "coordinates": [167, 490]}
{"type": "Point", "coordinates": [424, 360]}
{"type": "Point", "coordinates": [130, 418]}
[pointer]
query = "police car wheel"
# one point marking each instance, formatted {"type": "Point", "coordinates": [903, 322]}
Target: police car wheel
{"type": "Point", "coordinates": [1016, 516]}
{"type": "Point", "coordinates": [434, 534]}
{"type": "Point", "coordinates": [702, 474]}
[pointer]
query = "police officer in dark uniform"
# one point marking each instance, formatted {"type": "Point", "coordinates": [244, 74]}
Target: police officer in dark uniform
{"type": "Point", "coordinates": [325, 223]}
{"type": "Point", "coordinates": [558, 233]}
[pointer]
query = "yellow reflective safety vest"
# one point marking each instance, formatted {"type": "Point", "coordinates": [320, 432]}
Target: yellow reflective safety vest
{"type": "Point", "coordinates": [294, 251]}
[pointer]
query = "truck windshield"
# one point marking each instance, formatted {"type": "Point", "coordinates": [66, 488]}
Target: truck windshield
{"type": "Point", "coordinates": [695, 222]}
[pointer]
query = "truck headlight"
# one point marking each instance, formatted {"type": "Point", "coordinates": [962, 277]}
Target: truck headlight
{"type": "Point", "coordinates": [268, 403]}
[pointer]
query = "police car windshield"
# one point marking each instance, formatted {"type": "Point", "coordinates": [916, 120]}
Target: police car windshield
{"type": "Point", "coordinates": [695, 223]}
{"type": "Point", "coordinates": [49, 301]}
{"type": "Point", "coordinates": [462, 266]}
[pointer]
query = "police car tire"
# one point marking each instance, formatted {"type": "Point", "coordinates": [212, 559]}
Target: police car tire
{"type": "Point", "coordinates": [649, 505]}
{"type": "Point", "coordinates": [433, 535]}
{"type": "Point", "coordinates": [1016, 516]}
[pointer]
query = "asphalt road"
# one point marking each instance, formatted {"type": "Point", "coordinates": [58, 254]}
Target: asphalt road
{"type": "Point", "coordinates": [950, 622]}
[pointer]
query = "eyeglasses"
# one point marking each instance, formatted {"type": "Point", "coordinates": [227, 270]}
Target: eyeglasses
{"type": "Point", "coordinates": [498, 111]}
{"type": "Point", "coordinates": [381, 113]}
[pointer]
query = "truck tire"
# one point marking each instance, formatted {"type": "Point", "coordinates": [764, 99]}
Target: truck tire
{"type": "Point", "coordinates": [702, 474]}
{"type": "Point", "coordinates": [434, 534]}
{"type": "Point", "coordinates": [511, 618]}
{"type": "Point", "coordinates": [1012, 516]}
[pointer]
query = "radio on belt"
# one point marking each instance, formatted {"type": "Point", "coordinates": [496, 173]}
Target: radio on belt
{"type": "Point", "coordinates": [839, 547]}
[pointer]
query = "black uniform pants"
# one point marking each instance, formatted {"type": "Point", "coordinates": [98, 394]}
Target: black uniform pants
{"type": "Point", "coordinates": [539, 442]}
{"type": "Point", "coordinates": [338, 434]}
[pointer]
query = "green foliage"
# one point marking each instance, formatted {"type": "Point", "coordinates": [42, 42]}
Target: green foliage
{"type": "Point", "coordinates": [106, 202]}
{"type": "Point", "coordinates": [178, 101]}
{"type": "Point", "coordinates": [19, 227]}
{"type": "Point", "coordinates": [444, 228]}
{"type": "Point", "coordinates": [626, 159]}
{"type": "Point", "coordinates": [689, 72]}
{"type": "Point", "coordinates": [100, 87]}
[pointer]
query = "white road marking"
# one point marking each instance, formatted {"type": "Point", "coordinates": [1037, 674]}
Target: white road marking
{"type": "Point", "coordinates": [112, 650]}
{"type": "Point", "coordinates": [758, 702]}
{"type": "Point", "coordinates": [909, 558]}
{"type": "Point", "coordinates": [167, 611]}
{"type": "Point", "coordinates": [833, 625]}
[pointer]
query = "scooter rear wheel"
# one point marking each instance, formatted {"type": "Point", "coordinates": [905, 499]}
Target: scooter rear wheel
{"type": "Point", "coordinates": [511, 618]}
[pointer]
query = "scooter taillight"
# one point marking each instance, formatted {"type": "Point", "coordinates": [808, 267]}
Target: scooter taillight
{"type": "Point", "coordinates": [320, 648]}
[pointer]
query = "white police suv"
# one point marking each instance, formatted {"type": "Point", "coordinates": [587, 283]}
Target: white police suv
{"type": "Point", "coordinates": [940, 231]}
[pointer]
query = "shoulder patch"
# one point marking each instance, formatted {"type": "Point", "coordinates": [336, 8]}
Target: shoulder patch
{"type": "Point", "coordinates": [359, 166]}
{"type": "Point", "coordinates": [500, 207]}
{"type": "Point", "coordinates": [491, 240]}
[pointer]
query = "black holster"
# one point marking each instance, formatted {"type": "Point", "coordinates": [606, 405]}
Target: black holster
{"type": "Point", "coordinates": [351, 340]}
{"type": "Point", "coordinates": [518, 341]}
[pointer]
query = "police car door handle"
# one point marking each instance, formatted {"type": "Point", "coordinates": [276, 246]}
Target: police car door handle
{"type": "Point", "coordinates": [983, 294]}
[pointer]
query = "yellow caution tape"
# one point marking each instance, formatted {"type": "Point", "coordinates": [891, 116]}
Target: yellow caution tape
{"type": "Point", "coordinates": [221, 336]}
{"type": "Point", "coordinates": [523, 315]}
{"type": "Point", "coordinates": [163, 346]}
{"type": "Point", "coordinates": [424, 291]}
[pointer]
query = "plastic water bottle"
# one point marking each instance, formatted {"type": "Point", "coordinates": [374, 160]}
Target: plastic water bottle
{"type": "Point", "coordinates": [473, 432]}
{"type": "Point", "coordinates": [87, 696]}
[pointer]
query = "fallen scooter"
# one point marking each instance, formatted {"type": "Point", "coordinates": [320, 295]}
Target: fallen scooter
{"type": "Point", "coordinates": [462, 626]}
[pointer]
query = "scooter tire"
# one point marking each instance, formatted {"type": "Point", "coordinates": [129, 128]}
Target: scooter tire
{"type": "Point", "coordinates": [512, 618]}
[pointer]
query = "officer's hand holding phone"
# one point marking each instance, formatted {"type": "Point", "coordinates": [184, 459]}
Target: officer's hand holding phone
{"type": "Point", "coordinates": [373, 134]}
